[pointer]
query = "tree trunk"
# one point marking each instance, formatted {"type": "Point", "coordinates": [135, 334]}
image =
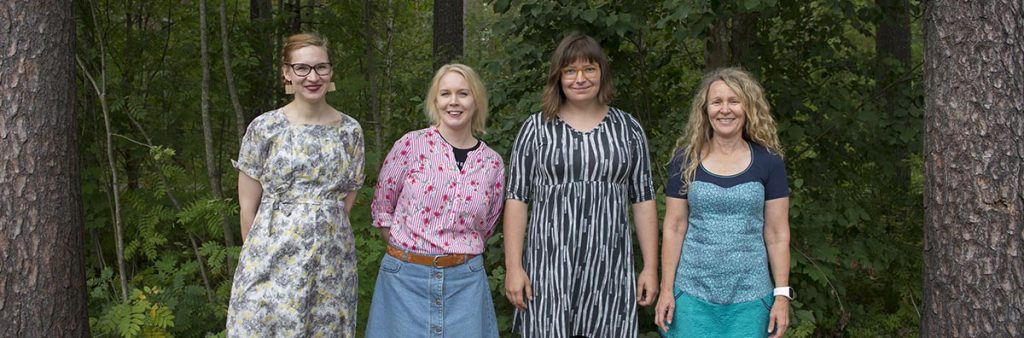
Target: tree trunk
{"type": "Point", "coordinates": [371, 76]}
{"type": "Point", "coordinates": [729, 42]}
{"type": "Point", "coordinates": [974, 169]}
{"type": "Point", "coordinates": [100, 88]}
{"type": "Point", "coordinates": [262, 39]}
{"type": "Point", "coordinates": [42, 265]}
{"type": "Point", "coordinates": [240, 121]}
{"type": "Point", "coordinates": [892, 44]}
{"type": "Point", "coordinates": [211, 164]}
{"type": "Point", "coordinates": [295, 22]}
{"type": "Point", "coordinates": [449, 31]}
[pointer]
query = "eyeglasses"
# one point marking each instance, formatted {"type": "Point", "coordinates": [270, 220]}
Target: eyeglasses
{"type": "Point", "coordinates": [590, 72]}
{"type": "Point", "coordinates": [302, 69]}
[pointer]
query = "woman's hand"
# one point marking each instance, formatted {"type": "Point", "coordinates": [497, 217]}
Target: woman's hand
{"type": "Point", "coordinates": [665, 310]}
{"type": "Point", "coordinates": [647, 287]}
{"type": "Point", "coordinates": [517, 287]}
{"type": "Point", "coordinates": [779, 317]}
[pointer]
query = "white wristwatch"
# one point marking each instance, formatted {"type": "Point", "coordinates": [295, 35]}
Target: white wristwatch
{"type": "Point", "coordinates": [785, 291]}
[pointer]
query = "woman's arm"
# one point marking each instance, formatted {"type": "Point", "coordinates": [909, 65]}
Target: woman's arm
{"type": "Point", "coordinates": [776, 239]}
{"type": "Point", "coordinates": [645, 216]}
{"type": "Point", "coordinates": [249, 193]}
{"type": "Point", "coordinates": [390, 183]}
{"type": "Point", "coordinates": [514, 229]}
{"type": "Point", "coordinates": [677, 211]}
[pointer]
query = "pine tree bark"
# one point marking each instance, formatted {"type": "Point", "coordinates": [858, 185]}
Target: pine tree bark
{"type": "Point", "coordinates": [974, 169]}
{"type": "Point", "coordinates": [42, 264]}
{"type": "Point", "coordinates": [449, 31]}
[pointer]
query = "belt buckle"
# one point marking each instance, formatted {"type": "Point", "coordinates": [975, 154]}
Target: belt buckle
{"type": "Point", "coordinates": [434, 262]}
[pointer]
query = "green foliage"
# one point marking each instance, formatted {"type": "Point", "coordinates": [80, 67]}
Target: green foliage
{"type": "Point", "coordinates": [137, 318]}
{"type": "Point", "coordinates": [850, 124]}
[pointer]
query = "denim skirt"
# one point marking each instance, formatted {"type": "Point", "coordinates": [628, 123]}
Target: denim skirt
{"type": "Point", "coordinates": [412, 300]}
{"type": "Point", "coordinates": [695, 317]}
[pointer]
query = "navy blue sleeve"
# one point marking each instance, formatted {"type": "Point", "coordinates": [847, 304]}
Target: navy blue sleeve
{"type": "Point", "coordinates": [775, 185]}
{"type": "Point", "coordinates": [674, 186]}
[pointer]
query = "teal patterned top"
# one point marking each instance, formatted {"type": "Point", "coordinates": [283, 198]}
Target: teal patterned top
{"type": "Point", "coordinates": [724, 259]}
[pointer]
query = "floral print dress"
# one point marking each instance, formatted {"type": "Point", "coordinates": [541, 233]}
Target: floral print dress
{"type": "Point", "coordinates": [296, 274]}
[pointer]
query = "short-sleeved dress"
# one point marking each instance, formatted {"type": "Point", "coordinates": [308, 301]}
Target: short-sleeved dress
{"type": "Point", "coordinates": [578, 252]}
{"type": "Point", "coordinates": [296, 274]}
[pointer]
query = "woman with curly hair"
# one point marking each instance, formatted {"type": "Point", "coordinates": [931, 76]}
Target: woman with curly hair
{"type": "Point", "coordinates": [725, 247]}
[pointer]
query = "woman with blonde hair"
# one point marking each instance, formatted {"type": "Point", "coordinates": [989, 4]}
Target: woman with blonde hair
{"type": "Point", "coordinates": [725, 247]}
{"type": "Point", "coordinates": [299, 168]}
{"type": "Point", "coordinates": [438, 197]}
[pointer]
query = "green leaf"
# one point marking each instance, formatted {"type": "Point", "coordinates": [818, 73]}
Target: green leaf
{"type": "Point", "coordinates": [589, 15]}
{"type": "Point", "coordinates": [750, 5]}
{"type": "Point", "coordinates": [501, 6]}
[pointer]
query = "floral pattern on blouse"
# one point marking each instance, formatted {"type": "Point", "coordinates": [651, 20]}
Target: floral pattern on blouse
{"type": "Point", "coordinates": [431, 206]}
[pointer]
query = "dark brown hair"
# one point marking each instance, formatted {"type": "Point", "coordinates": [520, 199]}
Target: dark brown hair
{"type": "Point", "coordinates": [574, 46]}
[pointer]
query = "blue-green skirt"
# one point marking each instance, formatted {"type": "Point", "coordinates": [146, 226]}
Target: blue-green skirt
{"type": "Point", "coordinates": [695, 317]}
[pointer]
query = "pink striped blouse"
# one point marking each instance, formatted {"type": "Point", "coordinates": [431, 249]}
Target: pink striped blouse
{"type": "Point", "coordinates": [432, 207]}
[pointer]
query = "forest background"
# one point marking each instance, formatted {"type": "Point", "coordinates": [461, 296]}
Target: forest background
{"type": "Point", "coordinates": [166, 88]}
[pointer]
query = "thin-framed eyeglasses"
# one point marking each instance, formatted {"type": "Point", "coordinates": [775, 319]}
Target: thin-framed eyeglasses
{"type": "Point", "coordinates": [589, 71]}
{"type": "Point", "coordinates": [302, 69]}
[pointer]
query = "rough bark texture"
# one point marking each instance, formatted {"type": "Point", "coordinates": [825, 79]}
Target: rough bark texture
{"type": "Point", "coordinates": [974, 169]}
{"type": "Point", "coordinates": [449, 31]}
{"type": "Point", "coordinates": [42, 264]}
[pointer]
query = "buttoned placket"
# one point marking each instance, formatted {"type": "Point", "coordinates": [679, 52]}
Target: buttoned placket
{"type": "Point", "coordinates": [437, 302]}
{"type": "Point", "coordinates": [455, 203]}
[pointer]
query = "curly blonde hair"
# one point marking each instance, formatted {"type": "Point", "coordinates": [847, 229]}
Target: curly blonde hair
{"type": "Point", "coordinates": [759, 126]}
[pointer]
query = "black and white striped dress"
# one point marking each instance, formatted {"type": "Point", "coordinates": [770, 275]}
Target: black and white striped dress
{"type": "Point", "coordinates": [578, 252]}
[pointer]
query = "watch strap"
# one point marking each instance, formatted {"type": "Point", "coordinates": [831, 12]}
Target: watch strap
{"type": "Point", "coordinates": [784, 291]}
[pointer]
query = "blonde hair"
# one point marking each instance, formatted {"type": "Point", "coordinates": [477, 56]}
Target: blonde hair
{"type": "Point", "coordinates": [476, 88]}
{"type": "Point", "coordinates": [573, 47]}
{"type": "Point", "coordinates": [759, 126]}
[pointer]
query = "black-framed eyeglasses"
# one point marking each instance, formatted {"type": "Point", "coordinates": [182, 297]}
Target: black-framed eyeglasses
{"type": "Point", "coordinates": [302, 69]}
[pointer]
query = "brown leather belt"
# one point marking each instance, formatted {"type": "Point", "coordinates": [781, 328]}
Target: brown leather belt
{"type": "Point", "coordinates": [442, 261]}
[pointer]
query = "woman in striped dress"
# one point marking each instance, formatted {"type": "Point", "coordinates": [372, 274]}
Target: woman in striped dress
{"type": "Point", "coordinates": [576, 169]}
{"type": "Point", "coordinates": [438, 197]}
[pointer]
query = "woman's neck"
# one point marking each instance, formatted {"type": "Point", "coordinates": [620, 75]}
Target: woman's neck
{"type": "Point", "coordinates": [589, 107]}
{"type": "Point", "coordinates": [462, 138]}
{"type": "Point", "coordinates": [306, 112]}
{"type": "Point", "coordinates": [728, 145]}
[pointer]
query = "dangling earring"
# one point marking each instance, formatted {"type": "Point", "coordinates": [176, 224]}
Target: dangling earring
{"type": "Point", "coordinates": [288, 89]}
{"type": "Point", "coordinates": [331, 87]}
